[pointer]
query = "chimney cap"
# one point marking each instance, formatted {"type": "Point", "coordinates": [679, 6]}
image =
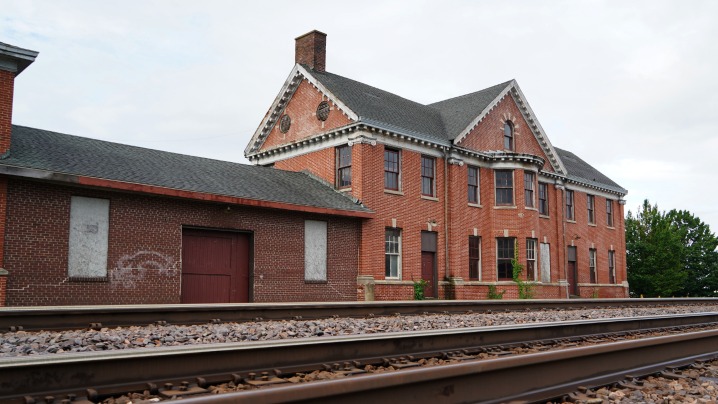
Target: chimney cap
{"type": "Point", "coordinates": [309, 33]}
{"type": "Point", "coordinates": [15, 59]}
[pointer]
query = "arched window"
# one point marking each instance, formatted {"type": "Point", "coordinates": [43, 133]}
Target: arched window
{"type": "Point", "coordinates": [508, 135]}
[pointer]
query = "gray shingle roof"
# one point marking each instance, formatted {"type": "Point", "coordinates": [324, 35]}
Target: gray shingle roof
{"type": "Point", "coordinates": [382, 107]}
{"type": "Point", "coordinates": [440, 122]}
{"type": "Point", "coordinates": [584, 172]}
{"type": "Point", "coordinates": [458, 112]}
{"type": "Point", "coordinates": [66, 154]}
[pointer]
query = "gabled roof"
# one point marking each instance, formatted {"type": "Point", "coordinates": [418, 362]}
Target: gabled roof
{"type": "Point", "coordinates": [441, 123]}
{"type": "Point", "coordinates": [458, 112]}
{"type": "Point", "coordinates": [580, 171]}
{"type": "Point", "coordinates": [57, 153]}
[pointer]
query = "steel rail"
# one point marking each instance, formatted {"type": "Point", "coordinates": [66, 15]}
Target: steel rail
{"type": "Point", "coordinates": [523, 378]}
{"type": "Point", "coordinates": [75, 317]}
{"type": "Point", "coordinates": [119, 371]}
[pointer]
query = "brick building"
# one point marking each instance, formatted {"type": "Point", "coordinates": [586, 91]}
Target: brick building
{"type": "Point", "coordinates": [459, 187]}
{"type": "Point", "coordinates": [84, 221]}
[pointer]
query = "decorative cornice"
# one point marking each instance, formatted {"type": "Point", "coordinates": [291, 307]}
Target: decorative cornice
{"type": "Point", "coordinates": [456, 161]}
{"type": "Point", "coordinates": [346, 130]}
{"type": "Point", "coordinates": [361, 138]}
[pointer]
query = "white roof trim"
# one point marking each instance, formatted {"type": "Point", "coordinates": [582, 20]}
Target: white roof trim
{"type": "Point", "coordinates": [290, 86]}
{"type": "Point", "coordinates": [483, 113]}
{"type": "Point", "coordinates": [536, 129]}
{"type": "Point", "coordinates": [530, 118]}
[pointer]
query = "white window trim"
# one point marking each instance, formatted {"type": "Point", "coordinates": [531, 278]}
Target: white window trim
{"type": "Point", "coordinates": [513, 189]}
{"type": "Point", "coordinates": [399, 254]}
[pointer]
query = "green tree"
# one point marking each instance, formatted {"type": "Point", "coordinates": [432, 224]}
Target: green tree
{"type": "Point", "coordinates": [700, 258]}
{"type": "Point", "coordinates": [654, 254]}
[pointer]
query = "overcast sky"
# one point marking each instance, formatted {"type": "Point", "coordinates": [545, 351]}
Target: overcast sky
{"type": "Point", "coordinates": [630, 87]}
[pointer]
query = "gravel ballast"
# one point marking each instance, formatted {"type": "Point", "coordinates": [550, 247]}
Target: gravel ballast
{"type": "Point", "coordinates": [21, 343]}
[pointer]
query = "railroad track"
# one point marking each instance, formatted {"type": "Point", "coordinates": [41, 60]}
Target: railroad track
{"type": "Point", "coordinates": [498, 377]}
{"type": "Point", "coordinates": [75, 317]}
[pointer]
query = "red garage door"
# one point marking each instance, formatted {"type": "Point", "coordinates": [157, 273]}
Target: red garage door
{"type": "Point", "coordinates": [215, 267]}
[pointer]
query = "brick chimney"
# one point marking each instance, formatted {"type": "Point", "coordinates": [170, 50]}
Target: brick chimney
{"type": "Point", "coordinates": [13, 61]}
{"type": "Point", "coordinates": [311, 50]}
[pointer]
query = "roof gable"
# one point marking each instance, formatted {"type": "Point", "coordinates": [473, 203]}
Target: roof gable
{"type": "Point", "coordinates": [459, 112]}
{"type": "Point", "coordinates": [296, 76]}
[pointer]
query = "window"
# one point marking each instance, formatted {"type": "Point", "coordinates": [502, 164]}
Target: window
{"type": "Point", "coordinates": [504, 187]}
{"type": "Point", "coordinates": [391, 169]}
{"type": "Point", "coordinates": [392, 241]}
{"type": "Point", "coordinates": [505, 254]}
{"type": "Point", "coordinates": [590, 205]}
{"type": "Point", "coordinates": [592, 264]}
{"type": "Point", "coordinates": [89, 232]}
{"type": "Point", "coordinates": [344, 166]}
{"type": "Point", "coordinates": [609, 213]}
{"type": "Point", "coordinates": [315, 250]}
{"type": "Point", "coordinates": [569, 205]}
{"type": "Point", "coordinates": [473, 184]}
{"type": "Point", "coordinates": [474, 257]}
{"type": "Point", "coordinates": [543, 199]}
{"type": "Point", "coordinates": [531, 259]}
{"type": "Point", "coordinates": [508, 135]}
{"type": "Point", "coordinates": [428, 174]}
{"type": "Point", "coordinates": [529, 189]}
{"type": "Point", "coordinates": [611, 266]}
{"type": "Point", "coordinates": [545, 262]}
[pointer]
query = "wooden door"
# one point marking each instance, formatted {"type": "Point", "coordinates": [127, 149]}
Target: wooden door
{"type": "Point", "coordinates": [427, 273]}
{"type": "Point", "coordinates": [572, 272]}
{"type": "Point", "coordinates": [215, 267]}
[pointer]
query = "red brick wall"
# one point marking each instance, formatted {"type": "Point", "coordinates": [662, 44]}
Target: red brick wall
{"type": "Point", "coordinates": [3, 288]}
{"type": "Point", "coordinates": [7, 83]}
{"type": "Point", "coordinates": [302, 109]}
{"type": "Point", "coordinates": [412, 214]}
{"type": "Point", "coordinates": [489, 133]}
{"type": "Point", "coordinates": [146, 227]}
{"type": "Point", "coordinates": [583, 235]}
{"type": "Point", "coordinates": [3, 209]}
{"type": "Point", "coordinates": [320, 163]}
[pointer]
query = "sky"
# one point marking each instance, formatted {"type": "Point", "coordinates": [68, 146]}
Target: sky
{"type": "Point", "coordinates": [631, 87]}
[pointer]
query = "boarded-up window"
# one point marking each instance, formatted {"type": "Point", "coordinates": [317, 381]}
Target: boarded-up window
{"type": "Point", "coordinates": [545, 262]}
{"type": "Point", "coordinates": [315, 250]}
{"type": "Point", "coordinates": [89, 228]}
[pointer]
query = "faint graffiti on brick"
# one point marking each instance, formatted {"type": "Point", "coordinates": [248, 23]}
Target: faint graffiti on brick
{"type": "Point", "coordinates": [131, 269]}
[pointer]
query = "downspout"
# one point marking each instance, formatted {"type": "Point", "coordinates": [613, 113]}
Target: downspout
{"type": "Point", "coordinates": [564, 248]}
{"type": "Point", "coordinates": [446, 213]}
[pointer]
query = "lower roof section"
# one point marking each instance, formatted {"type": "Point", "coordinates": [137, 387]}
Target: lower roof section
{"type": "Point", "coordinates": [46, 155]}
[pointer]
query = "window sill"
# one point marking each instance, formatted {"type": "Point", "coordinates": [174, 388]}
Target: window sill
{"type": "Point", "coordinates": [347, 189]}
{"type": "Point", "coordinates": [592, 224]}
{"type": "Point", "coordinates": [570, 221]}
{"type": "Point", "coordinates": [392, 192]}
{"type": "Point", "coordinates": [544, 216]}
{"type": "Point", "coordinates": [505, 207]}
{"type": "Point", "coordinates": [475, 205]}
{"type": "Point", "coordinates": [89, 279]}
{"type": "Point", "coordinates": [315, 281]}
{"type": "Point", "coordinates": [530, 208]}
{"type": "Point", "coordinates": [611, 227]}
{"type": "Point", "coordinates": [430, 198]}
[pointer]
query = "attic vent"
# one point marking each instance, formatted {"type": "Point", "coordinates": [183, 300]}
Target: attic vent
{"type": "Point", "coordinates": [323, 111]}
